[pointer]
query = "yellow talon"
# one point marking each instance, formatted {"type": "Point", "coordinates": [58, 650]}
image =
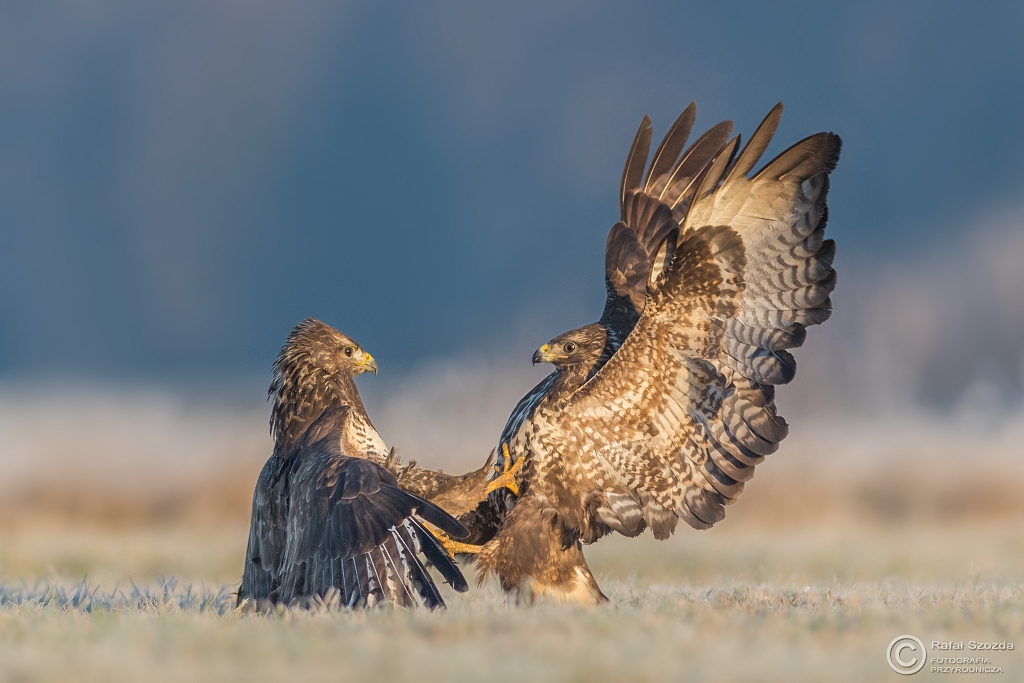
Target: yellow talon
{"type": "Point", "coordinates": [507, 479]}
{"type": "Point", "coordinates": [451, 545]}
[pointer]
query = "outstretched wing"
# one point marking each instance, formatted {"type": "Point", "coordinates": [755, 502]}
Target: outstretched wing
{"type": "Point", "coordinates": [676, 420]}
{"type": "Point", "coordinates": [523, 410]}
{"type": "Point", "coordinates": [502, 500]}
{"type": "Point", "coordinates": [781, 214]}
{"type": "Point", "coordinates": [350, 529]}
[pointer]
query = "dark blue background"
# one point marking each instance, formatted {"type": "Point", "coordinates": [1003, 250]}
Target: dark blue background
{"type": "Point", "coordinates": [182, 183]}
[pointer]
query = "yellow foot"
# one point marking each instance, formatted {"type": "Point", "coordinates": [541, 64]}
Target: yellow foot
{"type": "Point", "coordinates": [507, 479]}
{"type": "Point", "coordinates": [453, 546]}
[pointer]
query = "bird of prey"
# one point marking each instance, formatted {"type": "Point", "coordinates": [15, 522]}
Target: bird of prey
{"type": "Point", "coordinates": [330, 519]}
{"type": "Point", "coordinates": [662, 409]}
{"type": "Point", "coordinates": [647, 218]}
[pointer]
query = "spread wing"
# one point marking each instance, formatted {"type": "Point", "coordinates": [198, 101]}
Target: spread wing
{"type": "Point", "coordinates": [502, 500]}
{"type": "Point", "coordinates": [342, 524]}
{"type": "Point", "coordinates": [781, 214]}
{"type": "Point", "coordinates": [676, 420]}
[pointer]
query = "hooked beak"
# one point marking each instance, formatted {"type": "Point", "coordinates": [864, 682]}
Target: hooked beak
{"type": "Point", "coordinates": [368, 364]}
{"type": "Point", "coordinates": [544, 355]}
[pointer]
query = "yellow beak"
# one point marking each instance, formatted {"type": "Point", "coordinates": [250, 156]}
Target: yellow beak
{"type": "Point", "coordinates": [544, 355]}
{"type": "Point", "coordinates": [369, 363]}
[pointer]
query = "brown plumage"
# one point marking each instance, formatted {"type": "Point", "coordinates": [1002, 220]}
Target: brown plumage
{"type": "Point", "coordinates": [329, 518]}
{"type": "Point", "coordinates": [668, 422]}
{"type": "Point", "coordinates": [648, 208]}
{"type": "Point", "coordinates": [457, 494]}
{"type": "Point", "coordinates": [464, 496]}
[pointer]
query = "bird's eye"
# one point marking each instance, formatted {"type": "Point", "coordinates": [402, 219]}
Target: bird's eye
{"type": "Point", "coordinates": [569, 347]}
{"type": "Point", "coordinates": [348, 351]}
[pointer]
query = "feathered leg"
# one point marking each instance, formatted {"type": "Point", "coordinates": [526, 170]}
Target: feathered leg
{"type": "Point", "coordinates": [531, 558]}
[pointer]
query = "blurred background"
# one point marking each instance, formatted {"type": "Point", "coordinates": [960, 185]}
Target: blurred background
{"type": "Point", "coordinates": [180, 184]}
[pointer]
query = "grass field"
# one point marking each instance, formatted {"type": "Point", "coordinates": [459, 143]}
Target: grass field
{"type": "Point", "coordinates": [804, 605]}
{"type": "Point", "coordinates": [845, 539]}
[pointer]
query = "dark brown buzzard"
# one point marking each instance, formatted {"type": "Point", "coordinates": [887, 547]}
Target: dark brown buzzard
{"type": "Point", "coordinates": [330, 518]}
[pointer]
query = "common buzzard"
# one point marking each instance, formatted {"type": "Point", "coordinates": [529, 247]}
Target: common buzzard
{"type": "Point", "coordinates": [662, 410]}
{"type": "Point", "coordinates": [329, 516]}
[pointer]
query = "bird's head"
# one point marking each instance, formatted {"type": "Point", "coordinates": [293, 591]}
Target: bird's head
{"type": "Point", "coordinates": [352, 358]}
{"type": "Point", "coordinates": [314, 369]}
{"type": "Point", "coordinates": [583, 345]}
{"type": "Point", "coordinates": [315, 346]}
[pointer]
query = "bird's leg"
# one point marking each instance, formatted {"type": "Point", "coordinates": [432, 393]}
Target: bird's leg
{"type": "Point", "coordinates": [507, 479]}
{"type": "Point", "coordinates": [510, 473]}
{"type": "Point", "coordinates": [451, 545]}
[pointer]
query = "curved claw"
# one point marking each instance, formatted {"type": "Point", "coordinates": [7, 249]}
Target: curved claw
{"type": "Point", "coordinates": [507, 479]}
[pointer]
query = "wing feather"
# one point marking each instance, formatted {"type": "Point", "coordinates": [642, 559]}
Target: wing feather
{"type": "Point", "coordinates": [636, 160]}
{"type": "Point", "coordinates": [758, 143]}
{"type": "Point", "coordinates": [682, 182]}
{"type": "Point", "coordinates": [672, 144]}
{"type": "Point", "coordinates": [348, 529]}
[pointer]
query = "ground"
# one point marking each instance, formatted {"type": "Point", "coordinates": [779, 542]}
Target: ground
{"type": "Point", "coordinates": [827, 557]}
{"type": "Point", "coordinates": [809, 603]}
